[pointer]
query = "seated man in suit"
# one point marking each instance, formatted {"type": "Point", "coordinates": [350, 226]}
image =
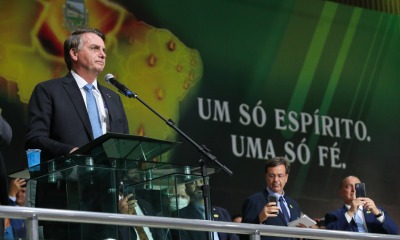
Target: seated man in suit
{"type": "Point", "coordinates": [359, 214]}
{"type": "Point", "coordinates": [196, 210]}
{"type": "Point", "coordinates": [135, 205]}
{"type": "Point", "coordinates": [257, 208]}
{"type": "Point", "coordinates": [173, 199]}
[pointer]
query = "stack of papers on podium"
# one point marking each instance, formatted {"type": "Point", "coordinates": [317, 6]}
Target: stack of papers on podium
{"type": "Point", "coordinates": [305, 220]}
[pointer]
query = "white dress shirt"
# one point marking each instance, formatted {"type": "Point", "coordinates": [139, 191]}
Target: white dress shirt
{"type": "Point", "coordinates": [101, 106]}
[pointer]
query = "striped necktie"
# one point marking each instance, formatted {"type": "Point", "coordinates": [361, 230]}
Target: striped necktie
{"type": "Point", "coordinates": [359, 221]}
{"type": "Point", "coordinates": [284, 210]}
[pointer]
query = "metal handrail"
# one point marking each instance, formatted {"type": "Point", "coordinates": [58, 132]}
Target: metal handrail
{"type": "Point", "coordinates": [33, 215]}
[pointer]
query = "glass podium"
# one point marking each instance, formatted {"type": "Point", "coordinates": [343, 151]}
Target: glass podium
{"type": "Point", "coordinates": [98, 174]}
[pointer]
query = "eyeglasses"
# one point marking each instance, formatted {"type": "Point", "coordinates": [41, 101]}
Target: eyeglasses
{"type": "Point", "coordinates": [273, 176]}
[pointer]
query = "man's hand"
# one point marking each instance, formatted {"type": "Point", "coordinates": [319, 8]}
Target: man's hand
{"type": "Point", "coordinates": [127, 206]}
{"type": "Point", "coordinates": [269, 210]}
{"type": "Point", "coordinates": [354, 206]}
{"type": "Point", "coordinates": [369, 205]}
{"type": "Point", "coordinates": [16, 185]}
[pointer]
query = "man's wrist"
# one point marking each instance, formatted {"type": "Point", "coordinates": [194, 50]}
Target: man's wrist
{"type": "Point", "coordinates": [380, 214]}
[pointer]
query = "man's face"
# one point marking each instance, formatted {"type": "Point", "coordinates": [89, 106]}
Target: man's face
{"type": "Point", "coordinates": [178, 199]}
{"type": "Point", "coordinates": [181, 192]}
{"type": "Point", "coordinates": [91, 56]}
{"type": "Point", "coordinates": [276, 178]}
{"type": "Point", "coordinates": [20, 201]}
{"type": "Point", "coordinates": [194, 190]}
{"type": "Point", "coordinates": [347, 191]}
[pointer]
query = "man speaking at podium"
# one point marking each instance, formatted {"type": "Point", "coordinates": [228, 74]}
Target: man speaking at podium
{"type": "Point", "coordinates": [69, 112]}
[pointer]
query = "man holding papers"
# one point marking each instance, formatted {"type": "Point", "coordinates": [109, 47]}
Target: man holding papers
{"type": "Point", "coordinates": [272, 206]}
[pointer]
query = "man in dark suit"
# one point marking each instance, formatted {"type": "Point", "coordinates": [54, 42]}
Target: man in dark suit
{"type": "Point", "coordinates": [196, 210]}
{"type": "Point", "coordinates": [359, 214]}
{"type": "Point", "coordinates": [5, 139]}
{"type": "Point", "coordinates": [66, 113]}
{"type": "Point", "coordinates": [58, 118]}
{"type": "Point", "coordinates": [258, 210]}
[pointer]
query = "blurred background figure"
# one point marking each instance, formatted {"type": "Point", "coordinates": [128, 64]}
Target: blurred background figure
{"type": "Point", "coordinates": [177, 198]}
{"type": "Point", "coordinates": [17, 194]}
{"type": "Point", "coordinates": [237, 218]}
{"type": "Point", "coordinates": [320, 223]}
{"type": "Point", "coordinates": [196, 210]}
{"type": "Point", "coordinates": [5, 139]}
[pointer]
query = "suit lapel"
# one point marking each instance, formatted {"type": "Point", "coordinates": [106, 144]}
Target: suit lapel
{"type": "Point", "coordinates": [352, 224]}
{"type": "Point", "coordinates": [291, 210]}
{"type": "Point", "coordinates": [107, 102]}
{"type": "Point", "coordinates": [369, 219]}
{"type": "Point", "coordinates": [71, 87]}
{"type": "Point", "coordinates": [214, 214]}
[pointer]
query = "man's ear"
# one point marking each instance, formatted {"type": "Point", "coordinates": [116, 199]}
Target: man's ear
{"type": "Point", "coordinates": [74, 54]}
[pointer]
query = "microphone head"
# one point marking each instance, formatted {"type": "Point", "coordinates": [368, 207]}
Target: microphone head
{"type": "Point", "coordinates": [108, 77]}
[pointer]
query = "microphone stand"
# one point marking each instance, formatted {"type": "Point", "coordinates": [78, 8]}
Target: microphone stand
{"type": "Point", "coordinates": [202, 149]}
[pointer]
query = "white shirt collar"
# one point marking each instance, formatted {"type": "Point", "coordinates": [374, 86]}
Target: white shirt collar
{"type": "Point", "coordinates": [348, 207]}
{"type": "Point", "coordinates": [81, 82]}
{"type": "Point", "coordinates": [276, 194]}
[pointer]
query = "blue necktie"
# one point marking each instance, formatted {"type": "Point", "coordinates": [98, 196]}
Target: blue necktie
{"type": "Point", "coordinates": [359, 222]}
{"type": "Point", "coordinates": [284, 210]}
{"type": "Point", "coordinates": [93, 111]}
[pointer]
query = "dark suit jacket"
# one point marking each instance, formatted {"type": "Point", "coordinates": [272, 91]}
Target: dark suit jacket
{"type": "Point", "coordinates": [57, 122]}
{"type": "Point", "coordinates": [58, 119]}
{"type": "Point", "coordinates": [256, 202]}
{"type": "Point", "coordinates": [217, 214]}
{"type": "Point", "coordinates": [5, 139]}
{"type": "Point", "coordinates": [336, 220]}
{"type": "Point", "coordinates": [18, 225]}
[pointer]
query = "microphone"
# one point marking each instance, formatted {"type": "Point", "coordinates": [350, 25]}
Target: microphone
{"type": "Point", "coordinates": [121, 87]}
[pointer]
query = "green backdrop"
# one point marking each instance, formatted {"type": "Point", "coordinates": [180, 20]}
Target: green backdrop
{"type": "Point", "coordinates": [313, 80]}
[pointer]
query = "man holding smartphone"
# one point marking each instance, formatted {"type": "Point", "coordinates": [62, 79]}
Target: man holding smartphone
{"type": "Point", "coordinates": [359, 214]}
{"type": "Point", "coordinates": [17, 198]}
{"type": "Point", "coordinates": [272, 206]}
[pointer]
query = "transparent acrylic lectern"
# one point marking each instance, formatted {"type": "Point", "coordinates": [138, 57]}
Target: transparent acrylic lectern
{"type": "Point", "coordinates": [98, 174]}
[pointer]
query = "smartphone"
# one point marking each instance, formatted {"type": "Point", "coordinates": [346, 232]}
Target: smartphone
{"type": "Point", "coordinates": [360, 190]}
{"type": "Point", "coordinates": [272, 198]}
{"type": "Point", "coordinates": [124, 191]}
{"type": "Point", "coordinates": [26, 182]}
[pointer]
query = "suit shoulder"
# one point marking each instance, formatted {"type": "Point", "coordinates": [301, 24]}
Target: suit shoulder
{"type": "Point", "coordinates": [336, 211]}
{"type": "Point", "coordinates": [52, 83]}
{"type": "Point", "coordinates": [219, 209]}
{"type": "Point", "coordinates": [256, 199]}
{"type": "Point", "coordinates": [257, 195]}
